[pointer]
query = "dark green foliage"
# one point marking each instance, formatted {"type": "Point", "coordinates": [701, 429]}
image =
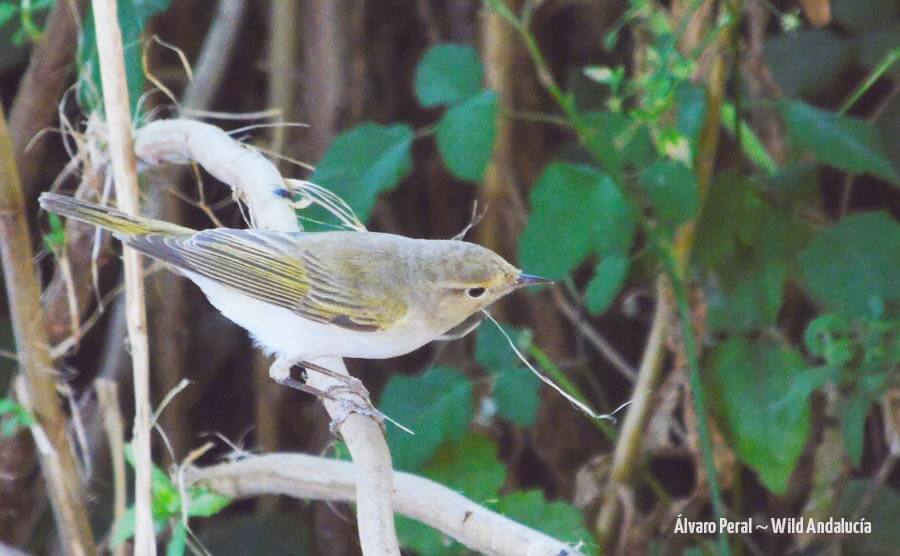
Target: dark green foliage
{"type": "Point", "coordinates": [167, 508]}
{"type": "Point", "coordinates": [807, 60]}
{"type": "Point", "coordinates": [557, 519]}
{"type": "Point", "coordinates": [13, 417]}
{"type": "Point", "coordinates": [437, 406]}
{"type": "Point", "coordinates": [839, 141]}
{"type": "Point", "coordinates": [447, 74]}
{"type": "Point", "coordinates": [465, 136]}
{"type": "Point", "coordinates": [747, 380]}
{"type": "Point", "coordinates": [852, 268]}
{"type": "Point", "coordinates": [365, 161]}
{"type": "Point", "coordinates": [672, 190]}
{"type": "Point", "coordinates": [609, 277]}
{"type": "Point", "coordinates": [576, 211]}
{"type": "Point", "coordinates": [133, 17]}
{"type": "Point", "coordinates": [515, 387]}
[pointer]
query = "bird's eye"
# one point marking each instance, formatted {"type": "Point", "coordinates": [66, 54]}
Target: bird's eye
{"type": "Point", "coordinates": [475, 292]}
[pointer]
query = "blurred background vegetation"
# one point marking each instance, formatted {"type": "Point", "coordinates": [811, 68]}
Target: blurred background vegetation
{"type": "Point", "coordinates": [713, 184]}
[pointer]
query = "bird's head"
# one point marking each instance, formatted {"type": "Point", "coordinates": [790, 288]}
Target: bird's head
{"type": "Point", "coordinates": [463, 278]}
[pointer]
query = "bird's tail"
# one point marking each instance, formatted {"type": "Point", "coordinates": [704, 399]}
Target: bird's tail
{"type": "Point", "coordinates": [122, 224]}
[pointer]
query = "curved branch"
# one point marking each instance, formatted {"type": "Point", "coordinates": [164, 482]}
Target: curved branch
{"type": "Point", "coordinates": [258, 183]}
{"type": "Point", "coordinates": [303, 476]}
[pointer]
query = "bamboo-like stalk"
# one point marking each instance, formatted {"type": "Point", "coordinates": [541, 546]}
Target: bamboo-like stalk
{"type": "Point", "coordinates": [23, 291]}
{"type": "Point", "coordinates": [110, 409]}
{"type": "Point", "coordinates": [121, 150]}
{"type": "Point", "coordinates": [305, 477]}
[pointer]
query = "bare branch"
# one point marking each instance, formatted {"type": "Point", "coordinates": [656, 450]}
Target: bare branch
{"type": "Point", "coordinates": [303, 476]}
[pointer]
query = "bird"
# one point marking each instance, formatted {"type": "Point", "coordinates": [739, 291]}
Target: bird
{"type": "Point", "coordinates": [304, 296]}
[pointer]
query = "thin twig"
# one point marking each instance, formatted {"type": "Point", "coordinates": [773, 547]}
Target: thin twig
{"type": "Point", "coordinates": [124, 165]}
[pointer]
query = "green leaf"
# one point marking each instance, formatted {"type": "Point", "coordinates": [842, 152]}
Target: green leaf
{"type": "Point", "coordinates": [364, 161]}
{"type": "Point", "coordinates": [882, 509]}
{"type": "Point", "coordinates": [206, 502]}
{"type": "Point", "coordinates": [673, 191]}
{"type": "Point", "coordinates": [133, 17]}
{"type": "Point", "coordinates": [747, 381]}
{"type": "Point", "coordinates": [731, 218]}
{"type": "Point", "coordinates": [178, 542]}
{"type": "Point", "coordinates": [853, 425]}
{"type": "Point", "coordinates": [607, 282]}
{"type": "Point", "coordinates": [437, 406]}
{"type": "Point", "coordinates": [618, 141]}
{"type": "Point", "coordinates": [56, 238]}
{"type": "Point", "coordinates": [747, 298]}
{"type": "Point", "coordinates": [447, 74]}
{"type": "Point", "coordinates": [425, 541]}
{"type": "Point", "coordinates": [845, 143]}
{"type": "Point", "coordinates": [575, 211]}
{"type": "Point", "coordinates": [807, 60]}
{"type": "Point", "coordinates": [852, 267]}
{"type": "Point", "coordinates": [469, 466]}
{"type": "Point", "coordinates": [516, 396]}
{"type": "Point", "coordinates": [492, 350]}
{"type": "Point", "coordinates": [7, 12]}
{"type": "Point", "coordinates": [124, 528]}
{"type": "Point", "coordinates": [465, 136]}
{"type": "Point", "coordinates": [557, 519]}
{"type": "Point", "coordinates": [691, 102]}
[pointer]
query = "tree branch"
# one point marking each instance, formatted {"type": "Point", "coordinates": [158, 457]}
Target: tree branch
{"type": "Point", "coordinates": [303, 476]}
{"type": "Point", "coordinates": [257, 182]}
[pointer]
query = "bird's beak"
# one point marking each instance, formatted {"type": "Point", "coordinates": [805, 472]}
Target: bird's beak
{"type": "Point", "coordinates": [529, 280]}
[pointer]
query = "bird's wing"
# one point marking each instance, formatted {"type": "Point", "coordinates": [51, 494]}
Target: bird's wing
{"type": "Point", "coordinates": [270, 267]}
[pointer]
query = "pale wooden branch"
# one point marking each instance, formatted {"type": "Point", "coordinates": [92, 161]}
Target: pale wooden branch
{"type": "Point", "coordinates": [39, 387]}
{"type": "Point", "coordinates": [310, 477]}
{"type": "Point", "coordinates": [258, 183]}
{"type": "Point", "coordinates": [215, 54]}
{"type": "Point", "coordinates": [121, 151]}
{"type": "Point", "coordinates": [110, 409]}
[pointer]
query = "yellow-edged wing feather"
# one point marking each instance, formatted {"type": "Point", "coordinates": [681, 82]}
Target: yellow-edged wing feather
{"type": "Point", "coordinates": [273, 267]}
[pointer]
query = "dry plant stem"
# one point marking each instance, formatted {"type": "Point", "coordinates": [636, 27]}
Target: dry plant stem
{"type": "Point", "coordinates": [305, 477]}
{"type": "Point", "coordinates": [23, 292]}
{"type": "Point", "coordinates": [215, 54]}
{"type": "Point", "coordinates": [628, 448]}
{"type": "Point", "coordinates": [121, 149]}
{"type": "Point", "coordinates": [42, 85]}
{"type": "Point", "coordinates": [108, 398]}
{"type": "Point", "coordinates": [256, 180]}
{"type": "Point", "coordinates": [639, 412]}
{"type": "Point", "coordinates": [282, 65]}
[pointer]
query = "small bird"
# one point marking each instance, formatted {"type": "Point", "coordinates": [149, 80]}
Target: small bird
{"type": "Point", "coordinates": [303, 296]}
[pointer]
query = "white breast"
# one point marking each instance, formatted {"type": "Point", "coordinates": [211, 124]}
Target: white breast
{"type": "Point", "coordinates": [281, 332]}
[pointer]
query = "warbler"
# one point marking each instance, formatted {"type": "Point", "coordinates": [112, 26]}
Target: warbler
{"type": "Point", "coordinates": [309, 295]}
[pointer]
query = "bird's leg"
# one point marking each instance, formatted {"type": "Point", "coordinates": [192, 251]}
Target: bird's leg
{"type": "Point", "coordinates": [351, 385]}
{"type": "Point", "coordinates": [280, 372]}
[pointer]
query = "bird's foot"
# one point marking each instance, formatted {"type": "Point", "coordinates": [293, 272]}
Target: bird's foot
{"type": "Point", "coordinates": [349, 396]}
{"type": "Point", "coordinates": [351, 399]}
